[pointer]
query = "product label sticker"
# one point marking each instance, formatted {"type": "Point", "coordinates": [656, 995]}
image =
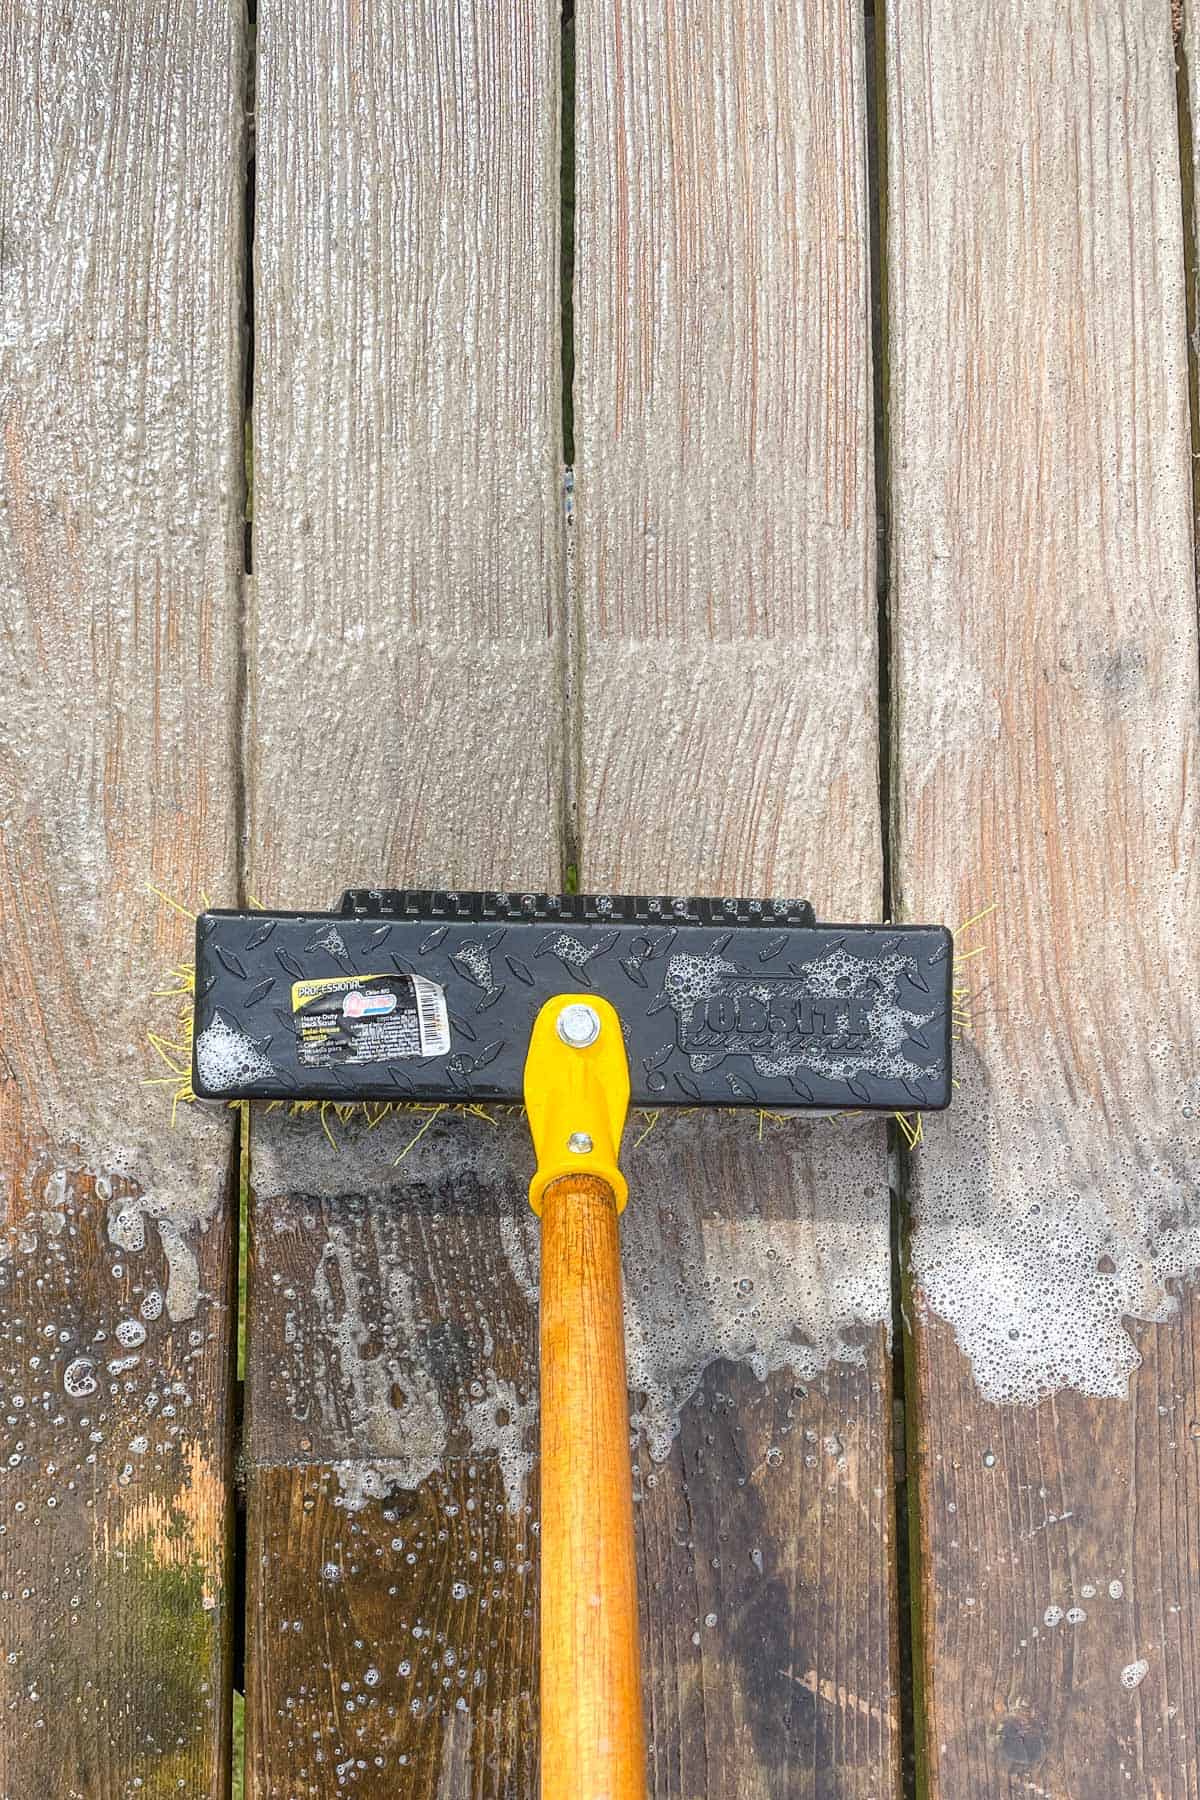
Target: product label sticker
{"type": "Point", "coordinates": [368, 1019]}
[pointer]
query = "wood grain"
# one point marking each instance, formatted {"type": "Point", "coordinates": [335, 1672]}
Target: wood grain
{"type": "Point", "coordinates": [593, 1741]}
{"type": "Point", "coordinates": [1186, 20]}
{"type": "Point", "coordinates": [120, 554]}
{"type": "Point", "coordinates": [1045, 689]}
{"type": "Point", "coordinates": [726, 742]}
{"type": "Point", "coordinates": [406, 699]}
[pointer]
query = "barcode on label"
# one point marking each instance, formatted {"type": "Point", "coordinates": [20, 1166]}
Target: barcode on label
{"type": "Point", "coordinates": [432, 1021]}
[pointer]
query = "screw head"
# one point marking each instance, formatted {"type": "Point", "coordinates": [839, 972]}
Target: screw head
{"type": "Point", "coordinates": [578, 1025]}
{"type": "Point", "coordinates": [579, 1142]}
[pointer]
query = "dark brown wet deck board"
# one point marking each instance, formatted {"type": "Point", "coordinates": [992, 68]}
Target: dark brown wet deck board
{"type": "Point", "coordinates": [1043, 617]}
{"type": "Point", "coordinates": [120, 557]}
{"type": "Point", "coordinates": [392, 1548]}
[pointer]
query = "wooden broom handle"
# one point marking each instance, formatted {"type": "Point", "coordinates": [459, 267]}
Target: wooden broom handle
{"type": "Point", "coordinates": [593, 1740]}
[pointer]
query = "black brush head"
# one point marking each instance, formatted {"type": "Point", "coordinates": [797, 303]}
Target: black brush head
{"type": "Point", "coordinates": [412, 994]}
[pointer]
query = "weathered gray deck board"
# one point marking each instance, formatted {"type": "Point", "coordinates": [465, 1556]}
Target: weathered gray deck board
{"type": "Point", "coordinates": [726, 695]}
{"type": "Point", "coordinates": [405, 699]}
{"type": "Point", "coordinates": [121, 177]}
{"type": "Point", "coordinates": [1045, 675]}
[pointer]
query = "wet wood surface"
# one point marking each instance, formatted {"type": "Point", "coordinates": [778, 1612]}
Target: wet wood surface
{"type": "Point", "coordinates": [120, 560]}
{"type": "Point", "coordinates": [1044, 677]}
{"type": "Point", "coordinates": [441, 673]}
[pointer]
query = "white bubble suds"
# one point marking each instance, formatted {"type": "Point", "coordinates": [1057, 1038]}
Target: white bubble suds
{"type": "Point", "coordinates": [1039, 1247]}
{"type": "Point", "coordinates": [507, 1427]}
{"type": "Point", "coordinates": [837, 977]}
{"type": "Point", "coordinates": [226, 1057]}
{"type": "Point", "coordinates": [710, 1276]}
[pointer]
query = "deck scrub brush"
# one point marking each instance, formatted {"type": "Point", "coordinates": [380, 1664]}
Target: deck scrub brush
{"type": "Point", "coordinates": [174, 1051]}
{"type": "Point", "coordinates": [416, 1000]}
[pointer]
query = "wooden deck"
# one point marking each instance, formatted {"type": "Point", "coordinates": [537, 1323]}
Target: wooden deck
{"type": "Point", "coordinates": [874, 581]}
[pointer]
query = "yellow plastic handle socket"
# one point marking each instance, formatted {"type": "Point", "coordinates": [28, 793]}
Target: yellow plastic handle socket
{"type": "Point", "coordinates": [576, 1094]}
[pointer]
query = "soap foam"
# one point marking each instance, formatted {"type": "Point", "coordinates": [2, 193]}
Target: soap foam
{"type": "Point", "coordinates": [771, 1254]}
{"type": "Point", "coordinates": [1039, 1247]}
{"type": "Point", "coordinates": [226, 1057]}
